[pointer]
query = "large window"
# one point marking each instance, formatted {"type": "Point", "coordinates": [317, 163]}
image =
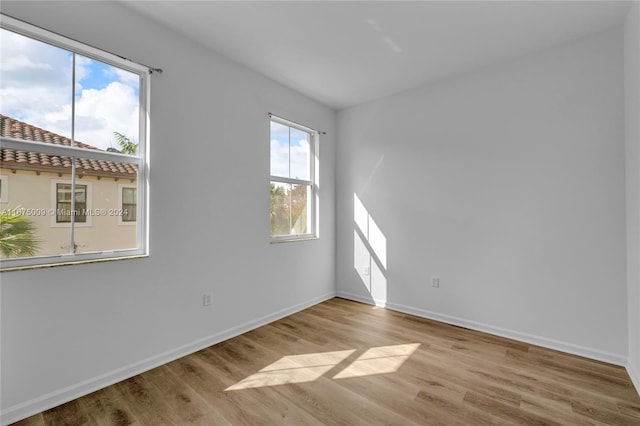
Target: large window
{"type": "Point", "coordinates": [73, 123]}
{"type": "Point", "coordinates": [293, 183]}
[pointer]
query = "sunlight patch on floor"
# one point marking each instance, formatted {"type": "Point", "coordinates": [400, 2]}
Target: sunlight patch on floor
{"type": "Point", "coordinates": [294, 369]}
{"type": "Point", "coordinates": [380, 360]}
{"type": "Point", "coordinates": [309, 367]}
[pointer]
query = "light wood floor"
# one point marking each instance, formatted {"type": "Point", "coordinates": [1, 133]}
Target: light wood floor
{"type": "Point", "coordinates": [342, 362]}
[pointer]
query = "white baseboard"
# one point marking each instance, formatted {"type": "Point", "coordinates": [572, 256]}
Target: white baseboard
{"type": "Point", "coordinates": [359, 298]}
{"type": "Point", "coordinates": [498, 331]}
{"type": "Point", "coordinates": [69, 393]}
{"type": "Point", "coordinates": [632, 371]}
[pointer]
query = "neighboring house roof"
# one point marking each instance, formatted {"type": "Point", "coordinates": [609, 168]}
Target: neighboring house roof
{"type": "Point", "coordinates": [25, 160]}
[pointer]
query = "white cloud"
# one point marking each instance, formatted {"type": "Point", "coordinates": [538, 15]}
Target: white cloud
{"type": "Point", "coordinates": [300, 159]}
{"type": "Point", "coordinates": [279, 158]}
{"type": "Point", "coordinates": [83, 69]}
{"type": "Point", "coordinates": [99, 113]}
{"type": "Point", "coordinates": [35, 87]}
{"type": "Point", "coordinates": [21, 63]}
{"type": "Point", "coordinates": [127, 77]}
{"type": "Point", "coordinates": [31, 63]}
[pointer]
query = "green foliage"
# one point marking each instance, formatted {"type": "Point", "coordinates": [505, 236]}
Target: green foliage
{"type": "Point", "coordinates": [127, 146]}
{"type": "Point", "coordinates": [17, 234]}
{"type": "Point", "coordinates": [278, 213]}
{"type": "Point", "coordinates": [288, 209]}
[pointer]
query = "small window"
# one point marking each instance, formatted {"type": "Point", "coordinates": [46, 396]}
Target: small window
{"type": "Point", "coordinates": [293, 181]}
{"type": "Point", "coordinates": [66, 206]}
{"type": "Point", "coordinates": [4, 189]}
{"type": "Point", "coordinates": [129, 202]}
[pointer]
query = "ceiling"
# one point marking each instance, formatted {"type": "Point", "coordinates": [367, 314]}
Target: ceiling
{"type": "Point", "coordinates": [346, 53]}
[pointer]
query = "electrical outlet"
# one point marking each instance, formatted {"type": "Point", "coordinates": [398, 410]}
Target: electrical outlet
{"type": "Point", "coordinates": [435, 282]}
{"type": "Point", "coordinates": [206, 299]}
{"type": "Point", "coordinates": [367, 270]}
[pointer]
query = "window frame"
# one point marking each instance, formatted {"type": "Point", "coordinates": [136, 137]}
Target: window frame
{"type": "Point", "coordinates": [312, 182]}
{"type": "Point", "coordinates": [140, 160]}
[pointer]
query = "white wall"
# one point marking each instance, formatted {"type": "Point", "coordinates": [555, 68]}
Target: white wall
{"type": "Point", "coordinates": [508, 184]}
{"type": "Point", "coordinates": [632, 126]}
{"type": "Point", "coordinates": [68, 330]}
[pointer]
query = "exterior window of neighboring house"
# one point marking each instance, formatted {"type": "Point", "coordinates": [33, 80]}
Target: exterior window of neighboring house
{"type": "Point", "coordinates": [4, 188]}
{"type": "Point", "coordinates": [64, 210]}
{"type": "Point", "coordinates": [129, 204]}
{"type": "Point", "coordinates": [73, 133]}
{"type": "Point", "coordinates": [293, 185]}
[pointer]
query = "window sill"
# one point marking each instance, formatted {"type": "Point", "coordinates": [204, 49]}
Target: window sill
{"type": "Point", "coordinates": [294, 240]}
{"type": "Point", "coordinates": [72, 262]}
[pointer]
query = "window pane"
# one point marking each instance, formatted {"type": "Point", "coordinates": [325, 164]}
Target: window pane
{"type": "Point", "coordinates": [45, 99]}
{"type": "Point", "coordinates": [300, 153]}
{"type": "Point", "coordinates": [64, 193]}
{"type": "Point", "coordinates": [279, 150]}
{"type": "Point", "coordinates": [25, 216]}
{"type": "Point", "coordinates": [129, 212]}
{"type": "Point", "coordinates": [280, 208]}
{"type": "Point", "coordinates": [107, 106]}
{"type": "Point", "coordinates": [112, 206]}
{"type": "Point", "coordinates": [35, 83]}
{"type": "Point", "coordinates": [129, 195]}
{"type": "Point", "coordinates": [129, 204]}
{"type": "Point", "coordinates": [300, 195]}
{"type": "Point", "coordinates": [64, 208]}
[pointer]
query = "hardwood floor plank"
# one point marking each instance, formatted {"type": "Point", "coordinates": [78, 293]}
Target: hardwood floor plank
{"type": "Point", "coordinates": [106, 407]}
{"type": "Point", "coordinates": [603, 415]}
{"type": "Point", "coordinates": [35, 420]}
{"type": "Point", "coordinates": [343, 362]}
{"type": "Point", "coordinates": [70, 414]}
{"type": "Point", "coordinates": [251, 406]}
{"type": "Point", "coordinates": [506, 411]}
{"type": "Point", "coordinates": [631, 410]}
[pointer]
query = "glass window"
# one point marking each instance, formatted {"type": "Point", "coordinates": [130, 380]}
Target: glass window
{"type": "Point", "coordinates": [4, 188]}
{"type": "Point", "coordinates": [129, 203]}
{"type": "Point", "coordinates": [73, 130]}
{"type": "Point", "coordinates": [66, 207]}
{"type": "Point", "coordinates": [293, 181]}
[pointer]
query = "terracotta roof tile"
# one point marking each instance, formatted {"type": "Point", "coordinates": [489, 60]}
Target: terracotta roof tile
{"type": "Point", "coordinates": [12, 128]}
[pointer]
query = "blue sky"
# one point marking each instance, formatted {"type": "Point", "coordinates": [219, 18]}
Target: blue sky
{"type": "Point", "coordinates": [99, 75]}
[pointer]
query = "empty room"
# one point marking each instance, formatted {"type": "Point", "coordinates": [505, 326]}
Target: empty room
{"type": "Point", "coordinates": [319, 212]}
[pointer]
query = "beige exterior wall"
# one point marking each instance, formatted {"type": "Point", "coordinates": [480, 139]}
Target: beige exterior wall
{"type": "Point", "coordinates": [103, 231]}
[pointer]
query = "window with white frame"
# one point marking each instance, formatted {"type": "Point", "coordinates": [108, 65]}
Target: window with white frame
{"type": "Point", "coordinates": [64, 203]}
{"type": "Point", "coordinates": [293, 184]}
{"type": "Point", "coordinates": [128, 204]}
{"type": "Point", "coordinates": [73, 123]}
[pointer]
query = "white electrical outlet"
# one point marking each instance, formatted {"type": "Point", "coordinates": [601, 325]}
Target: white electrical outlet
{"type": "Point", "coordinates": [435, 282]}
{"type": "Point", "coordinates": [367, 270]}
{"type": "Point", "coordinates": [206, 299]}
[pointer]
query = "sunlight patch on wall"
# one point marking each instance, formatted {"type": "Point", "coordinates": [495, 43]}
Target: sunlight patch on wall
{"type": "Point", "coordinates": [369, 252]}
{"type": "Point", "coordinates": [361, 260]}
